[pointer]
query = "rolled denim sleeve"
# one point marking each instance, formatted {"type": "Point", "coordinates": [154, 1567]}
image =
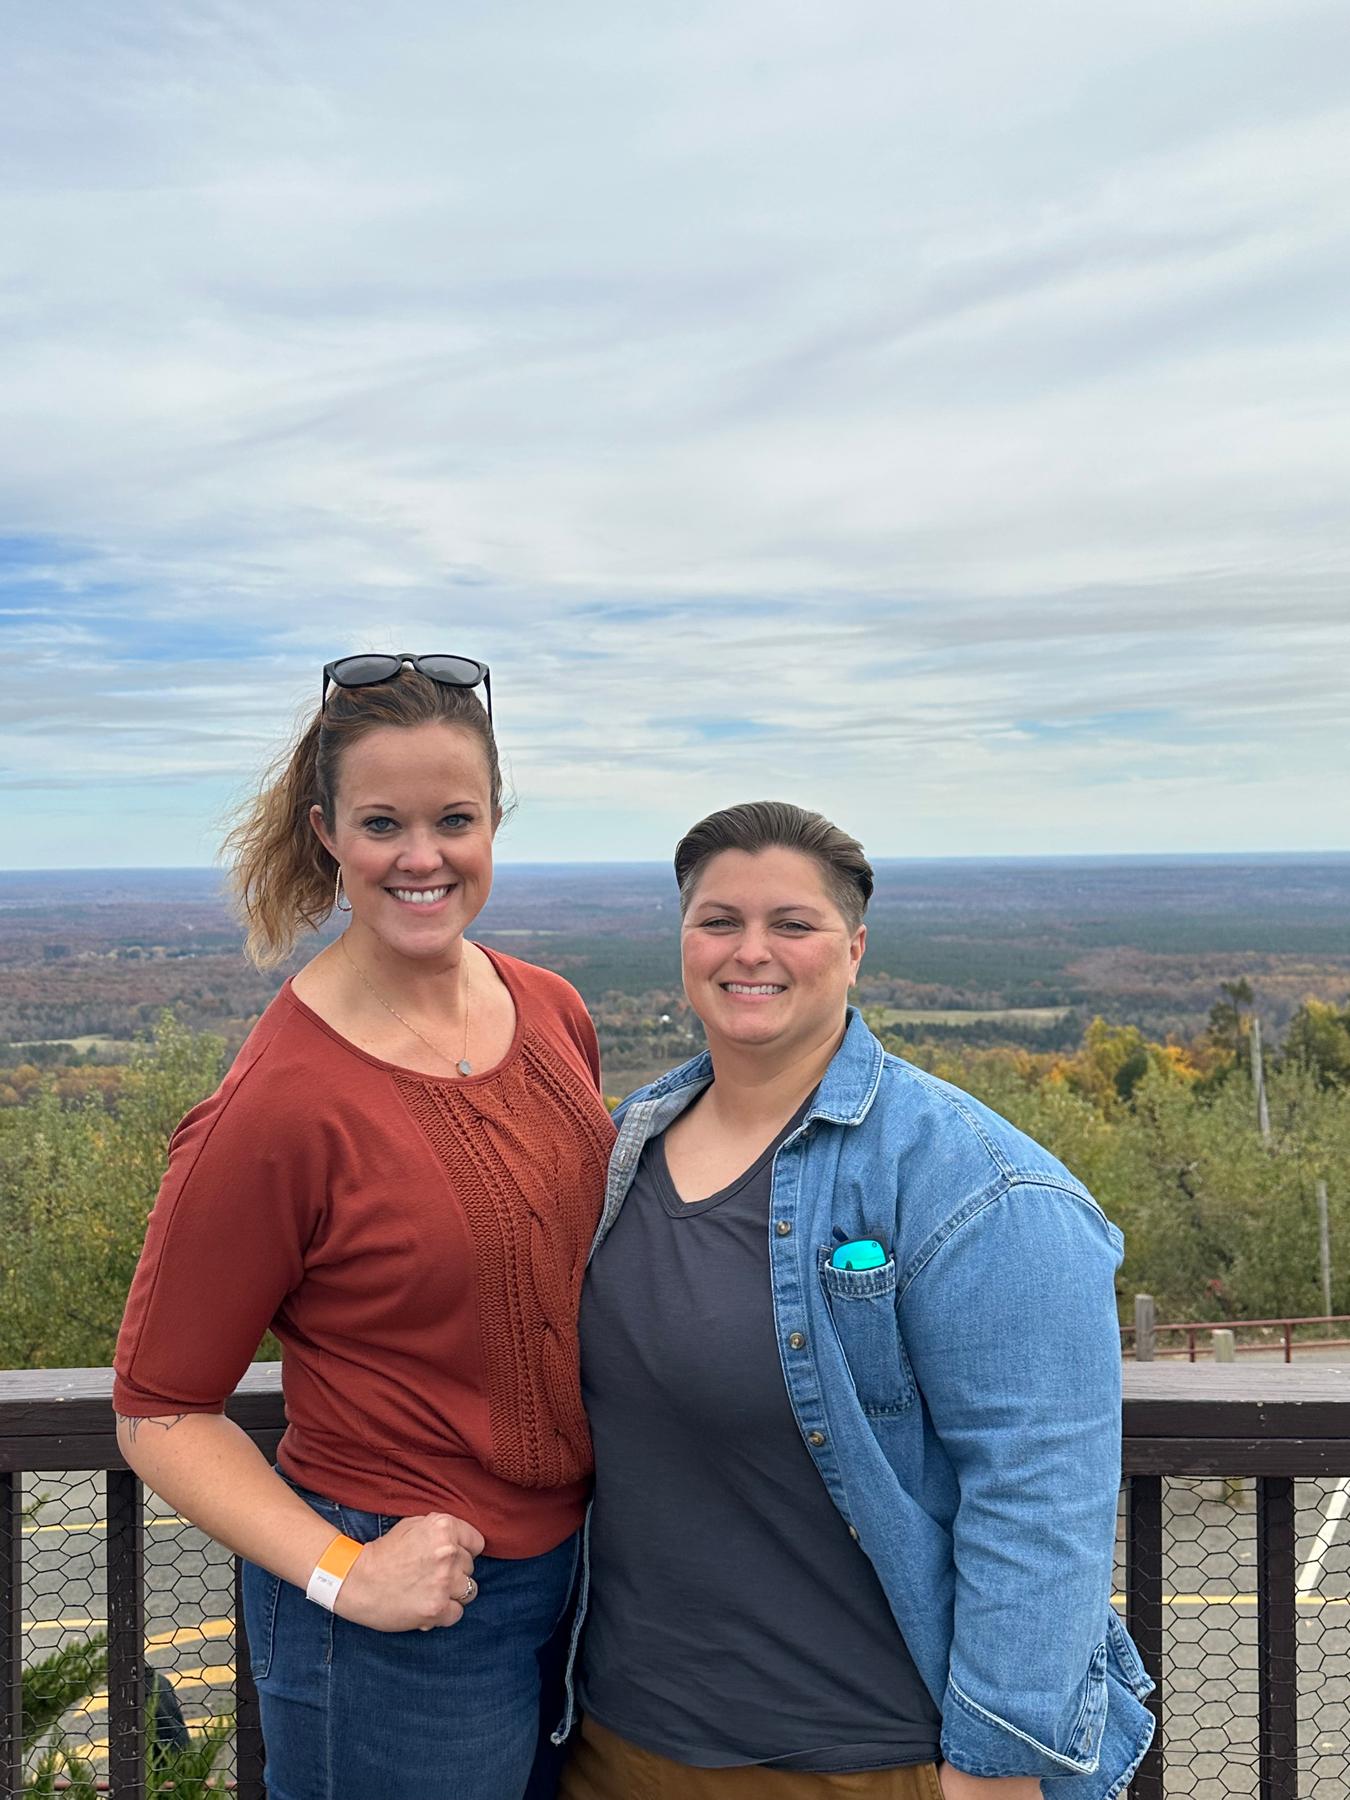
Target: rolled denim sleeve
{"type": "Point", "coordinates": [1012, 1332]}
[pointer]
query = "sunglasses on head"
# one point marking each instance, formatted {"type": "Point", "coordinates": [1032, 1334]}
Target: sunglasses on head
{"type": "Point", "coordinates": [370, 670]}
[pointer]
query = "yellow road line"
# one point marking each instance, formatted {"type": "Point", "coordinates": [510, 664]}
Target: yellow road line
{"type": "Point", "coordinates": [99, 1524]}
{"type": "Point", "coordinates": [1241, 1599]}
{"type": "Point", "coordinates": [207, 1675]}
{"type": "Point", "coordinates": [222, 1676]}
{"type": "Point", "coordinates": [60, 1624]}
{"type": "Point", "coordinates": [182, 1634]}
{"type": "Point", "coordinates": [187, 1634]}
{"type": "Point", "coordinates": [98, 1747]}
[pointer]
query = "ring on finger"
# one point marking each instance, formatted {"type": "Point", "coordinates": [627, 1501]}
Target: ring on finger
{"type": "Point", "coordinates": [469, 1592]}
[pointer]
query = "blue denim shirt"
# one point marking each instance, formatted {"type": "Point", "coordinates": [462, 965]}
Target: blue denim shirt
{"type": "Point", "coordinates": [962, 1403]}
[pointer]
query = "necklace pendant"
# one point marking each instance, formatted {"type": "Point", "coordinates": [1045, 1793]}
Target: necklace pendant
{"type": "Point", "coordinates": [464, 1066]}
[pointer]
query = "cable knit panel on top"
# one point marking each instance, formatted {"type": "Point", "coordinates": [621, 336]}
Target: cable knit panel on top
{"type": "Point", "coordinates": [525, 1154]}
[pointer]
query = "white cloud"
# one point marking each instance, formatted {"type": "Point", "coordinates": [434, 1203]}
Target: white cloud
{"type": "Point", "coordinates": [898, 380]}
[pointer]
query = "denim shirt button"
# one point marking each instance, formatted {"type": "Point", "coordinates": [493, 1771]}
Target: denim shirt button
{"type": "Point", "coordinates": [815, 1439]}
{"type": "Point", "coordinates": [783, 1228]}
{"type": "Point", "coordinates": [796, 1340]}
{"type": "Point", "coordinates": [853, 1532]}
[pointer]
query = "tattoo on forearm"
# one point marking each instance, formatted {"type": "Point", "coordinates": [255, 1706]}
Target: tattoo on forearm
{"type": "Point", "coordinates": [133, 1426]}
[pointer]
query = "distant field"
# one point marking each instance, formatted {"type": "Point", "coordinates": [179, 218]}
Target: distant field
{"type": "Point", "coordinates": [82, 1044]}
{"type": "Point", "coordinates": [1037, 1017]}
{"type": "Point", "coordinates": [986, 950]}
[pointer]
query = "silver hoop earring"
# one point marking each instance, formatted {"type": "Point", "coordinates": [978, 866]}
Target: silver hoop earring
{"type": "Point", "coordinates": [338, 895]}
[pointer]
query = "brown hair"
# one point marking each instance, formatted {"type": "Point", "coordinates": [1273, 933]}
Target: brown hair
{"type": "Point", "coordinates": [282, 875]}
{"type": "Point", "coordinates": [778, 825]}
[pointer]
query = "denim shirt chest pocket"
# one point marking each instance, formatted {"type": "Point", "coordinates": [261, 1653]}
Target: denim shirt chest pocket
{"type": "Point", "coordinates": [862, 1306]}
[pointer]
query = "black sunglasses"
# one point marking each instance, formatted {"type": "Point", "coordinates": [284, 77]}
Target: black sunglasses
{"type": "Point", "coordinates": [369, 671]}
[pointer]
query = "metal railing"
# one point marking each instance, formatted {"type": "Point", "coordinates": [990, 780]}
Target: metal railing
{"type": "Point", "coordinates": [1193, 1330]}
{"type": "Point", "coordinates": [1237, 1576]}
{"type": "Point", "coordinates": [165, 1598]}
{"type": "Point", "coordinates": [1234, 1576]}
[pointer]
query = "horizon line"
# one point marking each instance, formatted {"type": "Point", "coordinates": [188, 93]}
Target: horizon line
{"type": "Point", "coordinates": [653, 862]}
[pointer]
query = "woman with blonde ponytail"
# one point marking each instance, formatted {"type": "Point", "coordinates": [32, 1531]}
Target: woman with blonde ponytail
{"type": "Point", "coordinates": [400, 1177]}
{"type": "Point", "coordinates": [282, 874]}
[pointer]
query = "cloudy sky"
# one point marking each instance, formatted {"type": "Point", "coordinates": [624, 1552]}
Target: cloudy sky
{"type": "Point", "coordinates": [936, 414]}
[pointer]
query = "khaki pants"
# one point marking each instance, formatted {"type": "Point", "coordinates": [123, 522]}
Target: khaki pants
{"type": "Point", "coordinates": [603, 1766]}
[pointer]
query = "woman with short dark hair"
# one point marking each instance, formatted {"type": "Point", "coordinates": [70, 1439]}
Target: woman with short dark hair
{"type": "Point", "coordinates": [399, 1176]}
{"type": "Point", "coordinates": [851, 1360]}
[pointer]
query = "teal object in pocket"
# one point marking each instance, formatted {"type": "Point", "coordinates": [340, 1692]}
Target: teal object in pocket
{"type": "Point", "coordinates": [863, 1312]}
{"type": "Point", "coordinates": [859, 1253]}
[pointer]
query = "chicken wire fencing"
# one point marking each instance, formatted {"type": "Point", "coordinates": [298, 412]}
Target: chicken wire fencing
{"type": "Point", "coordinates": [1225, 1676]}
{"type": "Point", "coordinates": [78, 1566]}
{"type": "Point", "coordinates": [1219, 1680]}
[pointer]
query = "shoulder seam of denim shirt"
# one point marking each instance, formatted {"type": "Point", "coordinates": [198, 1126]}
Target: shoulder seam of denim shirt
{"type": "Point", "coordinates": [952, 1099]}
{"type": "Point", "coordinates": [1001, 1188]}
{"type": "Point", "coordinates": [927, 1250]}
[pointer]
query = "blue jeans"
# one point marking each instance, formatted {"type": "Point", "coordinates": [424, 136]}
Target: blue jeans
{"type": "Point", "coordinates": [451, 1714]}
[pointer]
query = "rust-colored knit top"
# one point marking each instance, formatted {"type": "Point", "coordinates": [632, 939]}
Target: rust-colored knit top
{"type": "Point", "coordinates": [417, 1246]}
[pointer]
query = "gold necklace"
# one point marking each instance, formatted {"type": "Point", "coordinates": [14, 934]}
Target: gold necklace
{"type": "Point", "coordinates": [464, 1066]}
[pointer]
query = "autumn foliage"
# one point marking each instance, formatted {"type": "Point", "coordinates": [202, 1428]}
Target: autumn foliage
{"type": "Point", "coordinates": [1220, 1221]}
{"type": "Point", "coordinates": [1219, 1218]}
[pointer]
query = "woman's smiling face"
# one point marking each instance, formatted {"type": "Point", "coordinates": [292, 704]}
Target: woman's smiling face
{"type": "Point", "coordinates": [768, 956]}
{"type": "Point", "coordinates": [412, 830]}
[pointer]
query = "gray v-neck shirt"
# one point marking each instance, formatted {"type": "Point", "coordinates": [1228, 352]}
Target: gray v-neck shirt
{"type": "Point", "coordinates": [732, 1619]}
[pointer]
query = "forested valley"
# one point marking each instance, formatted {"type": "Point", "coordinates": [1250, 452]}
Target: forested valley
{"type": "Point", "coordinates": [1124, 1015]}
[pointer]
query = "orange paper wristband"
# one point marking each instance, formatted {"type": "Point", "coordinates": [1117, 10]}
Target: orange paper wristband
{"type": "Point", "coordinates": [332, 1570]}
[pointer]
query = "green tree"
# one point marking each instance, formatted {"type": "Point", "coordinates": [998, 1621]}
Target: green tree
{"type": "Point", "coordinates": [1319, 1039]}
{"type": "Point", "coordinates": [60, 1680]}
{"type": "Point", "coordinates": [1218, 1223]}
{"type": "Point", "coordinates": [76, 1188]}
{"type": "Point", "coordinates": [1230, 1018]}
